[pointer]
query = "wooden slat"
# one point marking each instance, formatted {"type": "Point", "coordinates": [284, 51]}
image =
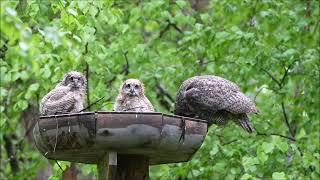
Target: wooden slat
{"type": "Point", "coordinates": [124, 120]}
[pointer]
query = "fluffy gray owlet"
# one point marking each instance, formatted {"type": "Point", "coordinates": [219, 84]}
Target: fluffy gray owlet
{"type": "Point", "coordinates": [216, 100]}
{"type": "Point", "coordinates": [66, 97]}
{"type": "Point", "coordinates": [131, 97]}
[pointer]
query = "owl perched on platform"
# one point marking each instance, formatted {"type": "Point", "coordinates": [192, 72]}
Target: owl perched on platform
{"type": "Point", "coordinates": [216, 100]}
{"type": "Point", "coordinates": [66, 97]}
{"type": "Point", "coordinates": [131, 97]}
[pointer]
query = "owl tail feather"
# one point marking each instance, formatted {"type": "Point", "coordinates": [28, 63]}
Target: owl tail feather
{"type": "Point", "coordinates": [244, 122]}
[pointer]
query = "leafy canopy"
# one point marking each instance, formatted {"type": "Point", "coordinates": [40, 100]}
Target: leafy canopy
{"type": "Point", "coordinates": [270, 48]}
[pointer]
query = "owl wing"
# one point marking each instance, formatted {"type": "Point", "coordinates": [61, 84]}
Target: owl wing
{"type": "Point", "coordinates": [219, 81]}
{"type": "Point", "coordinates": [148, 104]}
{"type": "Point", "coordinates": [64, 104]}
{"type": "Point", "coordinates": [118, 105]}
{"type": "Point", "coordinates": [215, 93]}
{"type": "Point", "coordinates": [238, 103]}
{"type": "Point", "coordinates": [59, 99]}
{"type": "Point", "coordinates": [56, 93]}
{"type": "Point", "coordinates": [204, 95]}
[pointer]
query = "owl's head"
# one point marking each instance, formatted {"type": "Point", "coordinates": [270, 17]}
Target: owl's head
{"type": "Point", "coordinates": [75, 80]}
{"type": "Point", "coordinates": [132, 87]}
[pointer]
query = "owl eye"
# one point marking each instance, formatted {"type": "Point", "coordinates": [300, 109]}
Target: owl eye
{"type": "Point", "coordinates": [71, 78]}
{"type": "Point", "coordinates": [127, 86]}
{"type": "Point", "coordinates": [136, 86]}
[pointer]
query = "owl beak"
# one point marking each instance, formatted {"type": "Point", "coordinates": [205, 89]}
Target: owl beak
{"type": "Point", "coordinates": [77, 83]}
{"type": "Point", "coordinates": [132, 92]}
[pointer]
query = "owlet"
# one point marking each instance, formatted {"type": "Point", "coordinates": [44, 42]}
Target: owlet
{"type": "Point", "coordinates": [216, 100]}
{"type": "Point", "coordinates": [66, 97]}
{"type": "Point", "coordinates": [131, 97]}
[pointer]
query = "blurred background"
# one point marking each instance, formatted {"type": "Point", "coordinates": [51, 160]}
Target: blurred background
{"type": "Point", "coordinates": [269, 48]}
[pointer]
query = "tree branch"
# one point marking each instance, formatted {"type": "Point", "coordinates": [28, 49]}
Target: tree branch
{"type": "Point", "coordinates": [308, 13]}
{"type": "Point", "coordinates": [287, 120]}
{"type": "Point", "coordinates": [87, 74]}
{"type": "Point", "coordinates": [14, 163]}
{"type": "Point", "coordinates": [176, 28]}
{"type": "Point", "coordinates": [275, 134]}
{"type": "Point", "coordinates": [87, 88]}
{"type": "Point", "coordinates": [257, 93]}
{"type": "Point", "coordinates": [125, 68]}
{"type": "Point", "coordinates": [164, 92]}
{"type": "Point", "coordinates": [229, 142]}
{"type": "Point", "coordinates": [286, 71]}
{"type": "Point", "coordinates": [3, 49]}
{"type": "Point", "coordinates": [21, 7]}
{"type": "Point", "coordinates": [165, 29]}
{"type": "Point", "coordinates": [88, 107]}
{"type": "Point", "coordinates": [165, 99]}
{"type": "Point", "coordinates": [170, 24]}
{"type": "Point", "coordinates": [272, 77]}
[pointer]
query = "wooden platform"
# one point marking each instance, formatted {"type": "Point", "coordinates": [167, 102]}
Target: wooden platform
{"type": "Point", "coordinates": [86, 137]}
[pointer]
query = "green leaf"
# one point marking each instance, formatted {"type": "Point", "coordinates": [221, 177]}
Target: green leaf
{"type": "Point", "coordinates": [93, 10]}
{"type": "Point", "coordinates": [11, 12]}
{"type": "Point", "coordinates": [72, 12]}
{"type": "Point", "coordinates": [262, 157]}
{"type": "Point", "coordinates": [3, 92]}
{"type": "Point", "coordinates": [278, 175]}
{"type": "Point", "coordinates": [24, 75]}
{"type": "Point", "coordinates": [151, 26]}
{"type": "Point", "coordinates": [215, 150]}
{"type": "Point", "coordinates": [21, 105]}
{"type": "Point", "coordinates": [281, 144]}
{"type": "Point", "coordinates": [88, 34]}
{"type": "Point", "coordinates": [34, 87]}
{"type": "Point", "coordinates": [181, 3]}
{"type": "Point", "coordinates": [267, 147]}
{"type": "Point", "coordinates": [301, 134]}
{"type": "Point", "coordinates": [246, 177]}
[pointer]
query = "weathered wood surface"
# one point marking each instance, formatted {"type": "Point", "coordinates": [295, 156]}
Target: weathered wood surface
{"type": "Point", "coordinates": [107, 166]}
{"type": "Point", "coordinates": [86, 137]}
{"type": "Point", "coordinates": [103, 167]}
{"type": "Point", "coordinates": [133, 167]}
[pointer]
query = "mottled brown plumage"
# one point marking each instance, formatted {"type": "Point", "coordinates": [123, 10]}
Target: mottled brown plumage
{"type": "Point", "coordinates": [66, 97]}
{"type": "Point", "coordinates": [131, 97]}
{"type": "Point", "coordinates": [214, 99]}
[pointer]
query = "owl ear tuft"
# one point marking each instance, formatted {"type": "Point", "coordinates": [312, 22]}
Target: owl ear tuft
{"type": "Point", "coordinates": [64, 80]}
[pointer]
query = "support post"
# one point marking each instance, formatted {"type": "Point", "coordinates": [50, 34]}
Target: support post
{"type": "Point", "coordinates": [113, 161]}
{"type": "Point", "coordinates": [107, 166]}
{"type": "Point", "coordinates": [133, 167]}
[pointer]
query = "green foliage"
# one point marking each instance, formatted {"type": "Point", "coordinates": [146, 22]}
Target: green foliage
{"type": "Point", "coordinates": [270, 48]}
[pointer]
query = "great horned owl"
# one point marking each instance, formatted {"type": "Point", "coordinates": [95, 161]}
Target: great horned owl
{"type": "Point", "coordinates": [67, 96]}
{"type": "Point", "coordinates": [214, 99]}
{"type": "Point", "coordinates": [131, 97]}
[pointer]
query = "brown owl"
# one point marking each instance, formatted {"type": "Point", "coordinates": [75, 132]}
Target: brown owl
{"type": "Point", "coordinates": [216, 100]}
{"type": "Point", "coordinates": [66, 97]}
{"type": "Point", "coordinates": [131, 97]}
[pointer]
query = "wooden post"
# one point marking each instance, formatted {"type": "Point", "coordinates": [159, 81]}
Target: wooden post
{"type": "Point", "coordinates": [133, 167]}
{"type": "Point", "coordinates": [123, 167]}
{"type": "Point", "coordinates": [107, 166]}
{"type": "Point", "coordinates": [113, 160]}
{"type": "Point", "coordinates": [103, 167]}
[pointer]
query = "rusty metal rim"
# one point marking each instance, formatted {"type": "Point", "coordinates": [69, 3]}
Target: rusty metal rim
{"type": "Point", "coordinates": [128, 112]}
{"type": "Point", "coordinates": [123, 112]}
{"type": "Point", "coordinates": [67, 115]}
{"type": "Point", "coordinates": [188, 118]}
